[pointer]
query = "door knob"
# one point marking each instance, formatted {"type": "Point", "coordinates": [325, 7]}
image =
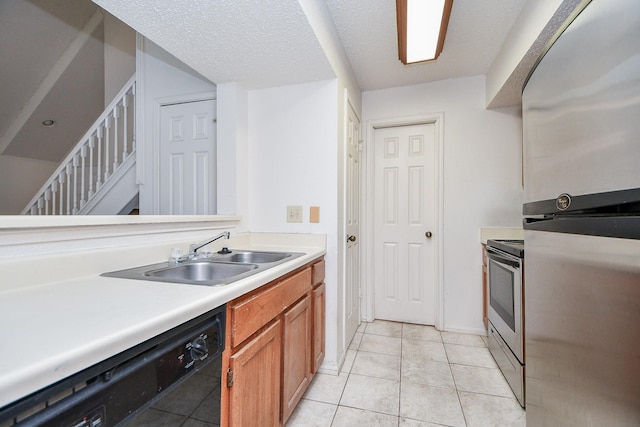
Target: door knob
{"type": "Point", "coordinates": [351, 238]}
{"type": "Point", "coordinates": [428, 234]}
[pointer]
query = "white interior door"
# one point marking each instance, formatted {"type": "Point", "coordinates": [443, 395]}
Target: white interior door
{"type": "Point", "coordinates": [404, 223]}
{"type": "Point", "coordinates": [352, 264]}
{"type": "Point", "coordinates": [187, 172]}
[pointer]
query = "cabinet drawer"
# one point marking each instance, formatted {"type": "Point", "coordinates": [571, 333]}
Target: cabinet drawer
{"type": "Point", "coordinates": [247, 316]}
{"type": "Point", "coordinates": [318, 272]}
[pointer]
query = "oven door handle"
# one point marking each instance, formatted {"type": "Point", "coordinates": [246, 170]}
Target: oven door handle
{"type": "Point", "coordinates": [498, 257]}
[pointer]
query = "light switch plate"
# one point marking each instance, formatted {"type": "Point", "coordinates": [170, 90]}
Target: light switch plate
{"type": "Point", "coordinates": [294, 213]}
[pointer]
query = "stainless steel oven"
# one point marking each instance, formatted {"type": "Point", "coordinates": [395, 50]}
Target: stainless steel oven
{"type": "Point", "coordinates": [505, 310]}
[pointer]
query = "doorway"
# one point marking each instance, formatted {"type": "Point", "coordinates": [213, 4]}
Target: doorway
{"type": "Point", "coordinates": [187, 158]}
{"type": "Point", "coordinates": [352, 294]}
{"type": "Point", "coordinates": [404, 212]}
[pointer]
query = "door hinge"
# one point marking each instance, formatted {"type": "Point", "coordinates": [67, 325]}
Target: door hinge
{"type": "Point", "coordinates": [229, 377]}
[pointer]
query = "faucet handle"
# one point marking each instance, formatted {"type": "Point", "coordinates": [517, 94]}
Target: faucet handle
{"type": "Point", "coordinates": [176, 254]}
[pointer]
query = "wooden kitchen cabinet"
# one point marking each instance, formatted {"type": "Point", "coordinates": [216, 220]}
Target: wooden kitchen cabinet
{"type": "Point", "coordinates": [296, 355]}
{"type": "Point", "coordinates": [318, 310]}
{"type": "Point", "coordinates": [271, 345]}
{"type": "Point", "coordinates": [253, 380]}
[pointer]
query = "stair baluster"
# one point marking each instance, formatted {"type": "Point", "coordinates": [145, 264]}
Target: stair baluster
{"type": "Point", "coordinates": [83, 156]}
{"type": "Point", "coordinates": [54, 191]}
{"type": "Point", "coordinates": [47, 198]}
{"type": "Point", "coordinates": [68, 179]}
{"type": "Point", "coordinates": [61, 193]}
{"type": "Point", "coordinates": [99, 165]}
{"type": "Point", "coordinates": [125, 114]}
{"type": "Point", "coordinates": [116, 116]}
{"type": "Point", "coordinates": [75, 184]}
{"type": "Point", "coordinates": [107, 140]}
{"type": "Point", "coordinates": [92, 142]}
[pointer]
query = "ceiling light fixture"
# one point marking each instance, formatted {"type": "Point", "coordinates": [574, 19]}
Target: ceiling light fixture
{"type": "Point", "coordinates": [422, 26]}
{"type": "Point", "coordinates": [49, 123]}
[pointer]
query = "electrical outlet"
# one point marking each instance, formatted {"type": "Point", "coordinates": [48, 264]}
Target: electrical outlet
{"type": "Point", "coordinates": [294, 213]}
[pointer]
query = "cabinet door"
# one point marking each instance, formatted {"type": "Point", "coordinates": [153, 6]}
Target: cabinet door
{"type": "Point", "coordinates": [318, 328]}
{"type": "Point", "coordinates": [254, 395]}
{"type": "Point", "coordinates": [296, 373]}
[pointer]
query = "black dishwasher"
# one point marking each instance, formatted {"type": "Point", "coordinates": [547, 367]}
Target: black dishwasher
{"type": "Point", "coordinates": [157, 378]}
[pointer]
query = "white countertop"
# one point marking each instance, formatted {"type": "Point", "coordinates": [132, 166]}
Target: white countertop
{"type": "Point", "coordinates": [52, 329]}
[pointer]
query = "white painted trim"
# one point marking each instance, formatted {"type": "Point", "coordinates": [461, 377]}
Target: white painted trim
{"type": "Point", "coordinates": [139, 130]}
{"type": "Point", "coordinates": [42, 230]}
{"type": "Point", "coordinates": [181, 99]}
{"type": "Point", "coordinates": [368, 207]}
{"type": "Point", "coordinates": [13, 222]}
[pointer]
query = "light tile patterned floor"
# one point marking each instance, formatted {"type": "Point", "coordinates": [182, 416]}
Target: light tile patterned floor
{"type": "Point", "coordinates": [403, 375]}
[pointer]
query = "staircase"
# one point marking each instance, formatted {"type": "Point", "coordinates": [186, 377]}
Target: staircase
{"type": "Point", "coordinates": [98, 175]}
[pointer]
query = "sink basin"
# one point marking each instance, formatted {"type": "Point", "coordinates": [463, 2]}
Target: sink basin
{"type": "Point", "coordinates": [214, 270]}
{"type": "Point", "coordinates": [201, 271]}
{"type": "Point", "coordinates": [255, 257]}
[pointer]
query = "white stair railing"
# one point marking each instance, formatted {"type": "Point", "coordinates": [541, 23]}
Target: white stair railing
{"type": "Point", "coordinates": [100, 152]}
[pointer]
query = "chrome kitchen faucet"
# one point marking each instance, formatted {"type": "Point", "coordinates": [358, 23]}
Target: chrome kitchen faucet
{"type": "Point", "coordinates": [194, 247]}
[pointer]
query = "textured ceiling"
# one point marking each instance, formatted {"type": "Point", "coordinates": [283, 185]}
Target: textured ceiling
{"type": "Point", "coordinates": [259, 43]}
{"type": "Point", "coordinates": [270, 43]}
{"type": "Point", "coordinates": [368, 32]}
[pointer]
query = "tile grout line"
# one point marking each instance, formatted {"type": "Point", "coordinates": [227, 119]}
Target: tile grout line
{"type": "Point", "coordinates": [455, 383]}
{"type": "Point", "coordinates": [348, 375]}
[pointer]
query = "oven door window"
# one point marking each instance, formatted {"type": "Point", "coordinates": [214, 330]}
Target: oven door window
{"type": "Point", "coordinates": [501, 296]}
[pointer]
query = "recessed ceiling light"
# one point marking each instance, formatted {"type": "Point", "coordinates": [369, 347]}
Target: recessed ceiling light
{"type": "Point", "coordinates": [422, 26]}
{"type": "Point", "coordinates": [49, 123]}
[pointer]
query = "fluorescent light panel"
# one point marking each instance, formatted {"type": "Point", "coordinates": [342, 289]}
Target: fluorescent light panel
{"type": "Point", "coordinates": [422, 25]}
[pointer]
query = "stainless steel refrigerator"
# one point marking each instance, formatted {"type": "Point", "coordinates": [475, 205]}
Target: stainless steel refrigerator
{"type": "Point", "coordinates": [581, 117]}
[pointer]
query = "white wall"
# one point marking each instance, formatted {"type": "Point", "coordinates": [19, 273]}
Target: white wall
{"type": "Point", "coordinates": [293, 161]}
{"type": "Point", "coordinates": [233, 151]}
{"type": "Point", "coordinates": [16, 193]}
{"type": "Point", "coordinates": [482, 178]}
{"type": "Point", "coordinates": [119, 55]}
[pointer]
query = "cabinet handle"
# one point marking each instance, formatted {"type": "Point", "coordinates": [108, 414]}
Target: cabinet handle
{"type": "Point", "coordinates": [351, 238]}
{"type": "Point", "coordinates": [428, 234]}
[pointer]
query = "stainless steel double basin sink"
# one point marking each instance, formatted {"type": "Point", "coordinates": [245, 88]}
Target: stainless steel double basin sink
{"type": "Point", "coordinates": [213, 270]}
